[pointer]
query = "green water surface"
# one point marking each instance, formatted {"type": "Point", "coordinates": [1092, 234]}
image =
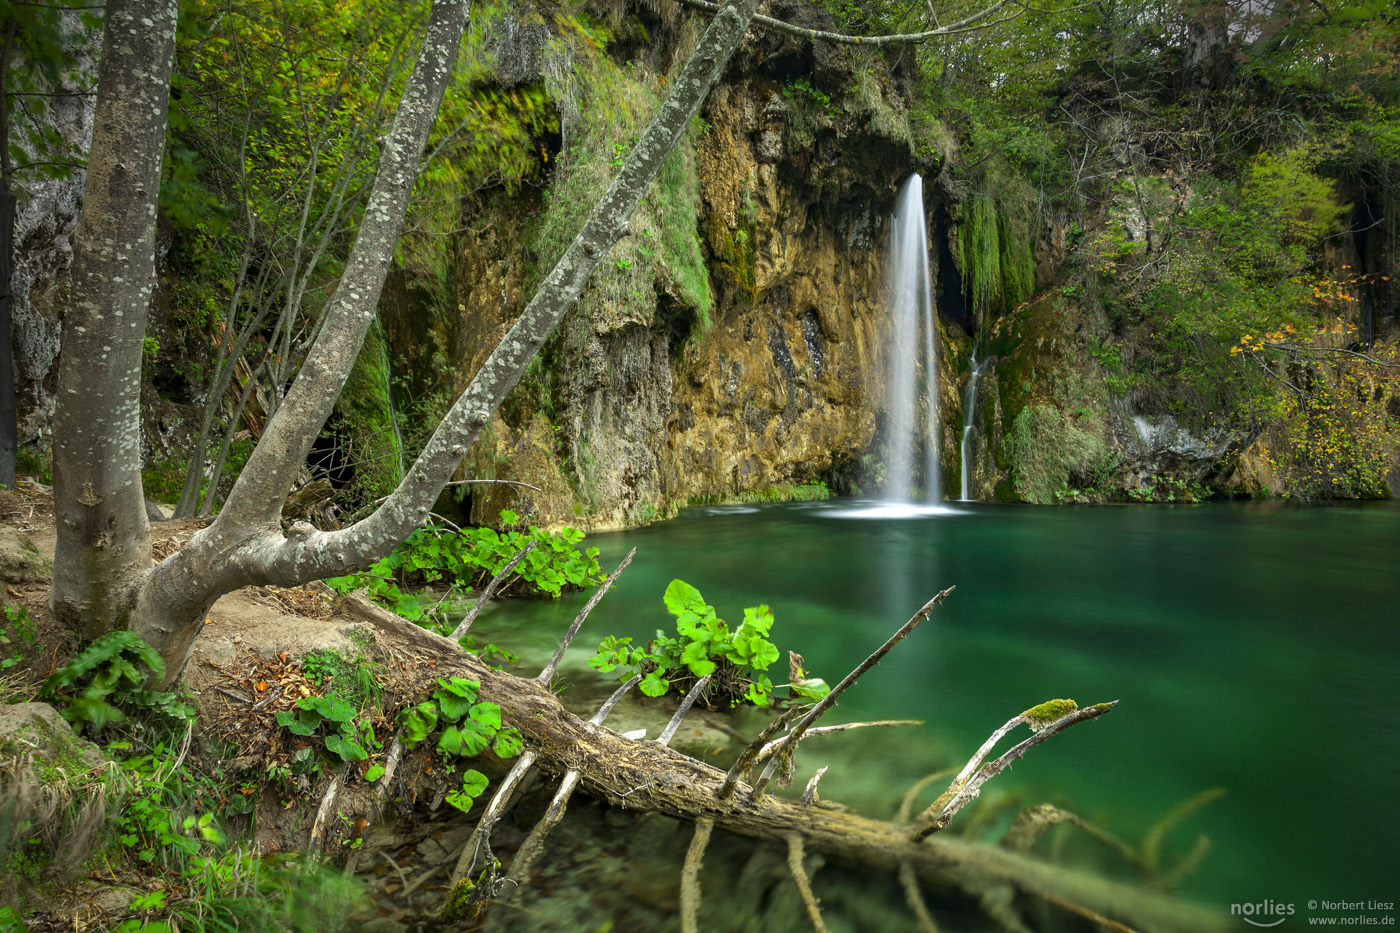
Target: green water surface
{"type": "Point", "coordinates": [1253, 648]}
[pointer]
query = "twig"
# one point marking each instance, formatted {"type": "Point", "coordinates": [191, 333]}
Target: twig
{"type": "Point", "coordinates": [547, 674]}
{"type": "Point", "coordinates": [771, 747]}
{"type": "Point", "coordinates": [745, 762]}
{"type": "Point", "coordinates": [323, 814]}
{"type": "Point", "coordinates": [915, 898]}
{"type": "Point", "coordinates": [828, 701]}
{"type": "Point", "coordinates": [395, 865]}
{"type": "Point", "coordinates": [232, 693]}
{"type": "Point", "coordinates": [799, 874]}
{"type": "Point", "coordinates": [809, 796]}
{"type": "Point", "coordinates": [490, 591]}
{"type": "Point", "coordinates": [669, 732]}
{"type": "Point", "coordinates": [690, 875]}
{"type": "Point", "coordinates": [272, 695]}
{"type": "Point", "coordinates": [959, 794]}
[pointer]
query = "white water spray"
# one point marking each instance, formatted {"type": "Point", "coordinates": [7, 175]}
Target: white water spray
{"type": "Point", "coordinates": [912, 308]}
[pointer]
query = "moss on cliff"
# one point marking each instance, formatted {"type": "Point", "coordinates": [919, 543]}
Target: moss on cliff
{"type": "Point", "coordinates": [369, 433]}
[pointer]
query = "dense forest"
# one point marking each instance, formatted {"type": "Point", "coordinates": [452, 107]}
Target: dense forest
{"type": "Point", "coordinates": [1163, 246]}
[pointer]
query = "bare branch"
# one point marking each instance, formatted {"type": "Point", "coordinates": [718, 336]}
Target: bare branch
{"type": "Point", "coordinates": [967, 785]}
{"type": "Point", "coordinates": [967, 24]}
{"type": "Point", "coordinates": [490, 591]}
{"type": "Point", "coordinates": [694, 694]}
{"type": "Point", "coordinates": [547, 674]}
{"type": "Point", "coordinates": [828, 701]}
{"type": "Point", "coordinates": [809, 796]}
{"type": "Point", "coordinates": [771, 747]}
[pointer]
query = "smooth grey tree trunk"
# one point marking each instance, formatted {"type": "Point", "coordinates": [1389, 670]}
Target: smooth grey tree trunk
{"type": "Point", "coordinates": [103, 536]}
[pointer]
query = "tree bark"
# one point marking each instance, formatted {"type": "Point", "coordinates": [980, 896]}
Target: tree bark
{"type": "Point", "coordinates": [103, 536]}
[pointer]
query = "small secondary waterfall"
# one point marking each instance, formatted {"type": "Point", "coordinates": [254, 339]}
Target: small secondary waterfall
{"type": "Point", "coordinates": [970, 421]}
{"type": "Point", "coordinates": [911, 298]}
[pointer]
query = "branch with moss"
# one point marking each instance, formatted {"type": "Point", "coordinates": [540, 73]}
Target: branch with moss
{"type": "Point", "coordinates": [1046, 720]}
{"type": "Point", "coordinates": [982, 19]}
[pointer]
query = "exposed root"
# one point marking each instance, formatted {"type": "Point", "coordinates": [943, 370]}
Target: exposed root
{"type": "Point", "coordinates": [690, 875]}
{"type": "Point", "coordinates": [799, 874]}
{"type": "Point", "coordinates": [915, 899]}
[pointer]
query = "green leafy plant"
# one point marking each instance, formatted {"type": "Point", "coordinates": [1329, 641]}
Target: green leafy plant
{"type": "Point", "coordinates": [465, 727]}
{"type": "Point", "coordinates": [109, 673]}
{"type": "Point", "coordinates": [16, 635]}
{"type": "Point", "coordinates": [166, 813]}
{"type": "Point", "coordinates": [737, 659]}
{"type": "Point", "coordinates": [473, 557]}
{"type": "Point", "coordinates": [334, 719]}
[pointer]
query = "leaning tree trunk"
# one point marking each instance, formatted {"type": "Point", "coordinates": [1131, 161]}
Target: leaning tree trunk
{"type": "Point", "coordinates": [103, 535]}
{"type": "Point", "coordinates": [245, 544]}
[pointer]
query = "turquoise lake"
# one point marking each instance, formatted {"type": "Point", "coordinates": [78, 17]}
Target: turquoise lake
{"type": "Point", "coordinates": [1253, 648]}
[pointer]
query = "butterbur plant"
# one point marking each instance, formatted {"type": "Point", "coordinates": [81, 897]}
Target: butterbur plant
{"type": "Point", "coordinates": [737, 659]}
{"type": "Point", "coordinates": [465, 727]}
{"type": "Point", "coordinates": [342, 736]}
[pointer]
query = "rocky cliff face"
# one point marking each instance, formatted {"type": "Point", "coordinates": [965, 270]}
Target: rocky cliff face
{"type": "Point", "coordinates": [766, 378]}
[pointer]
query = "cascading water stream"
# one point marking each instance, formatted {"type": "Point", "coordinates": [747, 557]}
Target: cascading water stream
{"type": "Point", "coordinates": [911, 300]}
{"type": "Point", "coordinates": [970, 422]}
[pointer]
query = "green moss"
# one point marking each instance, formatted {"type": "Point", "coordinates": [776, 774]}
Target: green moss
{"type": "Point", "coordinates": [371, 438]}
{"type": "Point", "coordinates": [662, 250]}
{"type": "Point", "coordinates": [1038, 717]}
{"type": "Point", "coordinates": [781, 492]}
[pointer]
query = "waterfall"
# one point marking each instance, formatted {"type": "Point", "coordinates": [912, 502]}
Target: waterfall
{"type": "Point", "coordinates": [970, 421]}
{"type": "Point", "coordinates": [911, 299]}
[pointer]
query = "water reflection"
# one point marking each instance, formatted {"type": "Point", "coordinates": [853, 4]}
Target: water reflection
{"type": "Point", "coordinates": [1252, 649]}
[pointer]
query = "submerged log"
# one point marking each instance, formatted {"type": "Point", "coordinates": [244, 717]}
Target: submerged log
{"type": "Point", "coordinates": [650, 777]}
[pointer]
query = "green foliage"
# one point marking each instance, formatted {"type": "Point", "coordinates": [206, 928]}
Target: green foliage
{"type": "Point", "coordinates": [1047, 447]}
{"type": "Point", "coordinates": [464, 728]}
{"type": "Point", "coordinates": [367, 431]}
{"type": "Point", "coordinates": [350, 673]}
{"type": "Point", "coordinates": [815, 491]}
{"type": "Point", "coordinates": [473, 557]}
{"type": "Point", "coordinates": [737, 659]}
{"type": "Point", "coordinates": [237, 889]}
{"type": "Point", "coordinates": [112, 672]}
{"type": "Point", "coordinates": [165, 816]}
{"type": "Point", "coordinates": [16, 636]}
{"type": "Point", "coordinates": [663, 246]}
{"type": "Point", "coordinates": [333, 718]}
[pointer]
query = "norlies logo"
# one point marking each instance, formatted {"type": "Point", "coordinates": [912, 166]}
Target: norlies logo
{"type": "Point", "coordinates": [1262, 910]}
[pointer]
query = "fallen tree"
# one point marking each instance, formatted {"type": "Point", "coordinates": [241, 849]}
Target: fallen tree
{"type": "Point", "coordinates": [648, 776]}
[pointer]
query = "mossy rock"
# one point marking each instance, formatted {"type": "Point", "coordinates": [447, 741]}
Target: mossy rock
{"type": "Point", "coordinates": [20, 560]}
{"type": "Point", "coordinates": [37, 729]}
